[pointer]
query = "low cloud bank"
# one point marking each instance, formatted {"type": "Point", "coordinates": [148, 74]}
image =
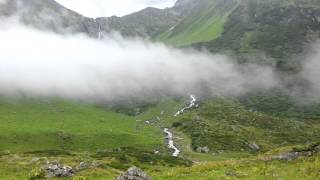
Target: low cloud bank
{"type": "Point", "coordinates": [39, 63]}
{"type": "Point", "coordinates": [311, 73]}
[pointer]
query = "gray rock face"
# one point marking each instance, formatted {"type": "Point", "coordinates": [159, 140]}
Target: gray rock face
{"type": "Point", "coordinates": [82, 166]}
{"type": "Point", "coordinates": [134, 173]}
{"type": "Point", "coordinates": [49, 15]}
{"type": "Point", "coordinates": [54, 169]}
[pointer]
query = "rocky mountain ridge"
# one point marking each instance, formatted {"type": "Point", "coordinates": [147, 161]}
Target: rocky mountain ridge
{"type": "Point", "coordinates": [49, 15]}
{"type": "Point", "coordinates": [277, 28]}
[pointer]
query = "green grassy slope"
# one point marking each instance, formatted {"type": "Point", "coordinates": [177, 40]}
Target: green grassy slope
{"type": "Point", "coordinates": [226, 125]}
{"type": "Point", "coordinates": [204, 23]}
{"type": "Point", "coordinates": [278, 103]}
{"type": "Point", "coordinates": [33, 125]}
{"type": "Point", "coordinates": [279, 29]}
{"type": "Point", "coordinates": [251, 168]}
{"type": "Point", "coordinates": [304, 168]}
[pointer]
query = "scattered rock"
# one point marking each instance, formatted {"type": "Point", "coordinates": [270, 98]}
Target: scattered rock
{"type": "Point", "coordinates": [231, 173]}
{"type": "Point", "coordinates": [289, 156]}
{"type": "Point", "coordinates": [82, 166]}
{"type": "Point", "coordinates": [95, 164]}
{"type": "Point", "coordinates": [156, 151]}
{"type": "Point", "coordinates": [220, 151]}
{"type": "Point", "coordinates": [54, 169]}
{"type": "Point", "coordinates": [254, 146]}
{"type": "Point", "coordinates": [203, 149]}
{"type": "Point", "coordinates": [134, 173]}
{"type": "Point", "coordinates": [317, 148]}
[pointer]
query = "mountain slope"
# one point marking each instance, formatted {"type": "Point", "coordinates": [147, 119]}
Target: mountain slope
{"type": "Point", "coordinates": [280, 29]}
{"type": "Point", "coordinates": [49, 15]}
{"type": "Point", "coordinates": [145, 23]}
{"type": "Point", "coordinates": [222, 124]}
{"type": "Point", "coordinates": [204, 22]}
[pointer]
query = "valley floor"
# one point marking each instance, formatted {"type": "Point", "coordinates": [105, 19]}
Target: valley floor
{"type": "Point", "coordinates": [14, 167]}
{"type": "Point", "coordinates": [216, 139]}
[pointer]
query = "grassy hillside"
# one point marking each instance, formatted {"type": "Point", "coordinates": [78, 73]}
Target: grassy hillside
{"type": "Point", "coordinates": [279, 29]}
{"type": "Point", "coordinates": [203, 23]}
{"type": "Point", "coordinates": [15, 167]}
{"type": "Point", "coordinates": [35, 125]}
{"type": "Point", "coordinates": [304, 168]}
{"type": "Point", "coordinates": [278, 103]}
{"type": "Point", "coordinates": [225, 125]}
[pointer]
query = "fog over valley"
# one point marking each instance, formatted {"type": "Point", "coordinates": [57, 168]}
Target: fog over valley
{"type": "Point", "coordinates": [46, 64]}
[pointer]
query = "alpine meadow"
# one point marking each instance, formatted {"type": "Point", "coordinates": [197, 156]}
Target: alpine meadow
{"type": "Point", "coordinates": [180, 90]}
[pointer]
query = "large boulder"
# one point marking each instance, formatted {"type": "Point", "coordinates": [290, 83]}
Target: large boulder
{"type": "Point", "coordinates": [134, 173]}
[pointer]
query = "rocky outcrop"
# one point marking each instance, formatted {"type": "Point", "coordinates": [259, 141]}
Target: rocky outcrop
{"type": "Point", "coordinates": [292, 155]}
{"type": "Point", "coordinates": [54, 169]}
{"type": "Point", "coordinates": [289, 156]}
{"type": "Point", "coordinates": [49, 15]}
{"type": "Point", "coordinates": [205, 149]}
{"type": "Point", "coordinates": [134, 173]}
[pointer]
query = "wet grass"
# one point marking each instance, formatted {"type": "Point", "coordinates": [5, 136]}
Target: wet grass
{"type": "Point", "coordinates": [56, 125]}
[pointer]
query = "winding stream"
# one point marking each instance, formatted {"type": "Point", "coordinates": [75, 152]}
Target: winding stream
{"type": "Point", "coordinates": [171, 143]}
{"type": "Point", "coordinates": [191, 105]}
{"type": "Point", "coordinates": [170, 137]}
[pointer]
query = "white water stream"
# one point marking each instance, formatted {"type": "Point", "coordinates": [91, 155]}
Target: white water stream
{"type": "Point", "coordinates": [191, 105]}
{"type": "Point", "coordinates": [171, 143]}
{"type": "Point", "coordinates": [169, 134]}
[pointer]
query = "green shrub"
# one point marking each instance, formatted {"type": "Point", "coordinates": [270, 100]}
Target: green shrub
{"type": "Point", "coordinates": [37, 173]}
